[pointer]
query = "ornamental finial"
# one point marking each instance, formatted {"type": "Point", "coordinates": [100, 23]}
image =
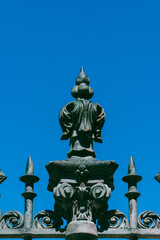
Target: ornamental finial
{"type": "Point", "coordinates": [82, 120]}
{"type": "Point", "coordinates": [82, 75]}
{"type": "Point", "coordinates": [82, 88]}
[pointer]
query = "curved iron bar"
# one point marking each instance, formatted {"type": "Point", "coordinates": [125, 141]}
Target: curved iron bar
{"type": "Point", "coordinates": [47, 219]}
{"type": "Point", "coordinates": [117, 219]}
{"type": "Point", "coordinates": [149, 219]}
{"type": "Point", "coordinates": [113, 219]}
{"type": "Point", "coordinates": [12, 219]}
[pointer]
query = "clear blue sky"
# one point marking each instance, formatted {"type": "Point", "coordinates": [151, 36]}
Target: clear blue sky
{"type": "Point", "coordinates": [43, 45]}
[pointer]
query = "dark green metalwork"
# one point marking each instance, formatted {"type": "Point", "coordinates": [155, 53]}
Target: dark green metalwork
{"type": "Point", "coordinates": [81, 185]}
{"type": "Point", "coordinates": [132, 178]}
{"type": "Point", "coordinates": [82, 120]}
{"type": "Point", "coordinates": [29, 179]}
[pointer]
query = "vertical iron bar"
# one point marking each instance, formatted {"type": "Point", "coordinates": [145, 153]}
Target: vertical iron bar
{"type": "Point", "coordinates": [29, 179]}
{"type": "Point", "coordinates": [132, 178]}
{"type": "Point", "coordinates": [133, 213]}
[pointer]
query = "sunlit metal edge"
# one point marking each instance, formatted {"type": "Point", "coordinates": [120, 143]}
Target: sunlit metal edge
{"type": "Point", "coordinates": [52, 233]}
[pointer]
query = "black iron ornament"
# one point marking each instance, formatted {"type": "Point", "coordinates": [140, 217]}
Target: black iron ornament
{"type": "Point", "coordinates": [82, 120]}
{"type": "Point", "coordinates": [132, 178]}
{"type": "Point", "coordinates": [81, 185]}
{"type": "Point", "coordinates": [29, 179]}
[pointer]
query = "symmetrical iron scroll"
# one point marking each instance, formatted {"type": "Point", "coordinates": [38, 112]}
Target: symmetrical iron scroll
{"type": "Point", "coordinates": [111, 224]}
{"type": "Point", "coordinates": [12, 219]}
{"type": "Point", "coordinates": [117, 219]}
{"type": "Point", "coordinates": [81, 185]}
{"type": "Point", "coordinates": [149, 219]}
{"type": "Point", "coordinates": [78, 195]}
{"type": "Point", "coordinates": [47, 219]}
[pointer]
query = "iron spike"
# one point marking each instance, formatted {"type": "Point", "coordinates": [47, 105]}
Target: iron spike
{"type": "Point", "coordinates": [29, 167]}
{"type": "Point", "coordinates": [131, 166]}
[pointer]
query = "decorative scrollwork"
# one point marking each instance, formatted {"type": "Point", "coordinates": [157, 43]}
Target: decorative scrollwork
{"type": "Point", "coordinates": [112, 219]}
{"type": "Point", "coordinates": [100, 191]}
{"type": "Point", "coordinates": [63, 190]}
{"type": "Point", "coordinates": [47, 219]}
{"type": "Point", "coordinates": [148, 219]}
{"type": "Point", "coordinates": [117, 219]}
{"type": "Point", "coordinates": [12, 219]}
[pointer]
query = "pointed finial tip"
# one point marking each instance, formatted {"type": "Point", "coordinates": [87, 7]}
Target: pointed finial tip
{"type": "Point", "coordinates": [82, 88]}
{"type": "Point", "coordinates": [131, 166]}
{"type": "Point", "coordinates": [82, 73]}
{"type": "Point", "coordinates": [131, 158]}
{"type": "Point", "coordinates": [29, 167]}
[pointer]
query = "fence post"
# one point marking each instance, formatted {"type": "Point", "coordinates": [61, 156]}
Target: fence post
{"type": "Point", "coordinates": [132, 178]}
{"type": "Point", "coordinates": [29, 179]}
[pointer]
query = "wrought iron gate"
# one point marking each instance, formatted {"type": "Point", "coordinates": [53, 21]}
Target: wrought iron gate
{"type": "Point", "coordinates": [81, 185]}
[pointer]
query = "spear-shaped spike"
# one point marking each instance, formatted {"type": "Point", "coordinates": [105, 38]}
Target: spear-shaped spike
{"type": "Point", "coordinates": [132, 178]}
{"type": "Point", "coordinates": [29, 167]}
{"type": "Point", "coordinates": [131, 166]}
{"type": "Point", "coordinates": [29, 179]}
